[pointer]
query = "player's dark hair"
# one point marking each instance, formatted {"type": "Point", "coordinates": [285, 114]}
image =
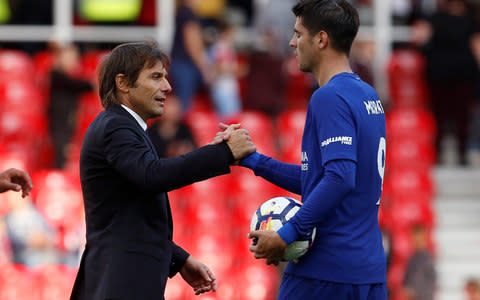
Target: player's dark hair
{"type": "Point", "coordinates": [336, 17]}
{"type": "Point", "coordinates": [128, 59]}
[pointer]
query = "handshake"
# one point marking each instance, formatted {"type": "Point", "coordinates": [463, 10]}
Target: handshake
{"type": "Point", "coordinates": [237, 140]}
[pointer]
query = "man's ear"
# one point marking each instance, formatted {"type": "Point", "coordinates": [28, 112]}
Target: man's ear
{"type": "Point", "coordinates": [321, 39]}
{"type": "Point", "coordinates": [122, 83]}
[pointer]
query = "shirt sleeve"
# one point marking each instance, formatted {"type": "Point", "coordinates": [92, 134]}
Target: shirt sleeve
{"type": "Point", "coordinates": [336, 128]}
{"type": "Point", "coordinates": [286, 176]}
{"type": "Point", "coordinates": [338, 181]}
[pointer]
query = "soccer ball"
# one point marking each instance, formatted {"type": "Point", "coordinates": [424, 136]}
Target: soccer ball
{"type": "Point", "coordinates": [273, 214]}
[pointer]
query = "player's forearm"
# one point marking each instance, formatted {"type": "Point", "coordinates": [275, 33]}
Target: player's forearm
{"type": "Point", "coordinates": [338, 181]}
{"type": "Point", "coordinates": [286, 176]}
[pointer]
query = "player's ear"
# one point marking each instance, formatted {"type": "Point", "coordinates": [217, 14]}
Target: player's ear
{"type": "Point", "coordinates": [321, 39]}
{"type": "Point", "coordinates": [121, 82]}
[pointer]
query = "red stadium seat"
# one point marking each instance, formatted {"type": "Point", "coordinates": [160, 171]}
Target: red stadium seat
{"type": "Point", "coordinates": [204, 125]}
{"type": "Point", "coordinates": [260, 129]}
{"type": "Point", "coordinates": [406, 63]}
{"type": "Point", "coordinates": [411, 123]}
{"type": "Point", "coordinates": [176, 288]}
{"type": "Point", "coordinates": [406, 72]}
{"type": "Point", "coordinates": [395, 275]}
{"type": "Point", "coordinates": [411, 153]}
{"type": "Point", "coordinates": [88, 108]}
{"type": "Point", "coordinates": [248, 192]}
{"type": "Point", "coordinates": [15, 64]}
{"type": "Point", "coordinates": [22, 128]}
{"type": "Point", "coordinates": [417, 183]}
{"type": "Point", "coordinates": [298, 91]}
{"type": "Point", "coordinates": [256, 281]}
{"type": "Point", "coordinates": [290, 125]}
{"type": "Point", "coordinates": [58, 197]}
{"type": "Point", "coordinates": [402, 245]}
{"type": "Point", "coordinates": [17, 282]}
{"type": "Point", "coordinates": [43, 62]}
{"type": "Point", "coordinates": [214, 248]}
{"type": "Point", "coordinates": [148, 13]}
{"type": "Point", "coordinates": [408, 211]}
{"type": "Point", "coordinates": [22, 96]}
{"type": "Point", "coordinates": [408, 92]}
{"type": "Point", "coordinates": [90, 61]}
{"type": "Point", "coordinates": [54, 281]}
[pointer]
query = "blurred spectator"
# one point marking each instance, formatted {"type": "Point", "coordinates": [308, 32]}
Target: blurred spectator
{"type": "Point", "coordinates": [451, 42]}
{"type": "Point", "coordinates": [245, 7]}
{"type": "Point", "coordinates": [5, 249]}
{"type": "Point", "coordinates": [361, 59]}
{"type": "Point", "coordinates": [225, 90]}
{"type": "Point", "coordinates": [420, 276]}
{"type": "Point", "coordinates": [190, 65]}
{"type": "Point", "coordinates": [65, 90]}
{"type": "Point", "coordinates": [472, 289]}
{"type": "Point", "coordinates": [266, 78]}
{"type": "Point", "coordinates": [32, 241]}
{"type": "Point", "coordinates": [209, 11]}
{"type": "Point", "coordinates": [169, 134]}
{"type": "Point", "coordinates": [275, 18]}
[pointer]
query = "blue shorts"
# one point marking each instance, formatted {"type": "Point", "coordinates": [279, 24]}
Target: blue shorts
{"type": "Point", "coordinates": [301, 288]}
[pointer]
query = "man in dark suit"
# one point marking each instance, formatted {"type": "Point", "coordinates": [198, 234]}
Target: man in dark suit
{"type": "Point", "coordinates": [129, 251]}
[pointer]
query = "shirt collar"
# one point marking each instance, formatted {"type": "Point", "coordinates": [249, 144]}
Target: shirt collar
{"type": "Point", "coordinates": [140, 121]}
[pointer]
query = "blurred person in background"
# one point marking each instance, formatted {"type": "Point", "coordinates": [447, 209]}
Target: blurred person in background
{"type": "Point", "coordinates": [266, 77]}
{"type": "Point", "coordinates": [32, 240]}
{"type": "Point", "coordinates": [190, 68]}
{"type": "Point", "coordinates": [170, 135]}
{"type": "Point", "coordinates": [420, 276]}
{"type": "Point", "coordinates": [66, 87]}
{"type": "Point", "coordinates": [224, 88]}
{"type": "Point", "coordinates": [274, 17]}
{"type": "Point", "coordinates": [5, 248]}
{"type": "Point", "coordinates": [450, 39]}
{"type": "Point", "coordinates": [15, 180]}
{"type": "Point", "coordinates": [472, 289]}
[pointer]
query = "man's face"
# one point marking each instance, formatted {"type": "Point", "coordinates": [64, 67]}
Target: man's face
{"type": "Point", "coordinates": [148, 95]}
{"type": "Point", "coordinates": [303, 44]}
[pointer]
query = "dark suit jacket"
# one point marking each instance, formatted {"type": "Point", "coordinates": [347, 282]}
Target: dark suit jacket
{"type": "Point", "coordinates": [129, 251]}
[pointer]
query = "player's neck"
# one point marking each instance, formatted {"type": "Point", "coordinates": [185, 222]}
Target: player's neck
{"type": "Point", "coordinates": [329, 66]}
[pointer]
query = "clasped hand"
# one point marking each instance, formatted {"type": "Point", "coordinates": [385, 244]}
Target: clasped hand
{"type": "Point", "coordinates": [237, 140]}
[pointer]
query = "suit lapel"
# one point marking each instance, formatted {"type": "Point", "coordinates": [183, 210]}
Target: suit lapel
{"type": "Point", "coordinates": [120, 110]}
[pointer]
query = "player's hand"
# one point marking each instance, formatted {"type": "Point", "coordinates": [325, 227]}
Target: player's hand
{"type": "Point", "coordinates": [225, 134]}
{"type": "Point", "coordinates": [240, 144]}
{"type": "Point", "coordinates": [15, 180]}
{"type": "Point", "coordinates": [198, 276]}
{"type": "Point", "coordinates": [269, 245]}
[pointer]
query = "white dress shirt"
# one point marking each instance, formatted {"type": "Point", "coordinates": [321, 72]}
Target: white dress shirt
{"type": "Point", "coordinates": [137, 117]}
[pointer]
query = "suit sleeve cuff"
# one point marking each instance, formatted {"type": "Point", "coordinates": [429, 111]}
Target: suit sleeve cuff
{"type": "Point", "coordinates": [179, 257]}
{"type": "Point", "coordinates": [288, 233]}
{"type": "Point", "coordinates": [229, 151]}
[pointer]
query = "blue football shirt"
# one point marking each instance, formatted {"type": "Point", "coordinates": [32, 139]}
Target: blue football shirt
{"type": "Point", "coordinates": [345, 121]}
